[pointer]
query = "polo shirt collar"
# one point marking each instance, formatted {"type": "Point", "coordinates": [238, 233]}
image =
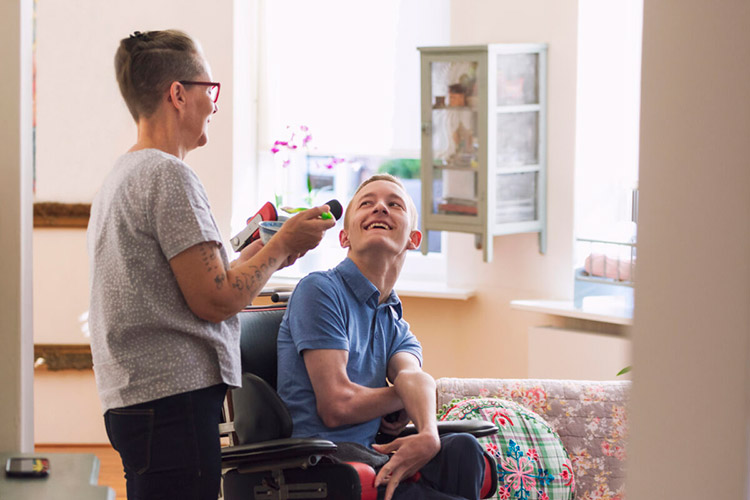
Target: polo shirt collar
{"type": "Point", "coordinates": [363, 289]}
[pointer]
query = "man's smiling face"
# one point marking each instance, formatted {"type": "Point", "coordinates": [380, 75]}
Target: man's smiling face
{"type": "Point", "coordinates": [379, 217]}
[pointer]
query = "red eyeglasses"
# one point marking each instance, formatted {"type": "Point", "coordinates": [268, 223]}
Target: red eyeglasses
{"type": "Point", "coordinates": [213, 91]}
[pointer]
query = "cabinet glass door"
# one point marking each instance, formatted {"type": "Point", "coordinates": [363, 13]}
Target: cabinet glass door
{"type": "Point", "coordinates": [517, 148]}
{"type": "Point", "coordinates": [455, 143]}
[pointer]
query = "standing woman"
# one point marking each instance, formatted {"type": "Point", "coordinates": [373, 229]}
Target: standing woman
{"type": "Point", "coordinates": [164, 297]}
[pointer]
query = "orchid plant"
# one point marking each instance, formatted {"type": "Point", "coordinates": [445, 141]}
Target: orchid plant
{"type": "Point", "coordinates": [299, 140]}
{"type": "Point", "coordinates": [293, 143]}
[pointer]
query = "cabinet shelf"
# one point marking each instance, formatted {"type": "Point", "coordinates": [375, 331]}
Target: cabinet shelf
{"type": "Point", "coordinates": [455, 108]}
{"type": "Point", "coordinates": [454, 167]}
{"type": "Point", "coordinates": [525, 108]}
{"type": "Point", "coordinates": [484, 165]}
{"type": "Point", "coordinates": [500, 170]}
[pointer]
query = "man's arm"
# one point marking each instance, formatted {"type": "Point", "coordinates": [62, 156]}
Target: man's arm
{"type": "Point", "coordinates": [417, 390]}
{"type": "Point", "coordinates": [339, 400]}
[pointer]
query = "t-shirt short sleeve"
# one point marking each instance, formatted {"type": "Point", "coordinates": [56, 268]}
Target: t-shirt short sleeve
{"type": "Point", "coordinates": [316, 319]}
{"type": "Point", "coordinates": [178, 209]}
{"type": "Point", "coordinates": [405, 341]}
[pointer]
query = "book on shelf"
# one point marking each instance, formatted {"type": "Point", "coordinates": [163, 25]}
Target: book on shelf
{"type": "Point", "coordinates": [463, 207]}
{"type": "Point", "coordinates": [470, 202]}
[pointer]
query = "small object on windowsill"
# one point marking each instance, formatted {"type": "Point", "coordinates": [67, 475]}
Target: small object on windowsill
{"type": "Point", "coordinates": [439, 102]}
{"type": "Point", "coordinates": [605, 266]}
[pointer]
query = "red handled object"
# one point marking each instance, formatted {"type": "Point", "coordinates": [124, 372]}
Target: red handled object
{"type": "Point", "coordinates": [252, 230]}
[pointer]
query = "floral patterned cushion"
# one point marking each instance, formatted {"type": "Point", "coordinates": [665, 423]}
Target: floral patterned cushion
{"type": "Point", "coordinates": [589, 417]}
{"type": "Point", "coordinates": [532, 463]}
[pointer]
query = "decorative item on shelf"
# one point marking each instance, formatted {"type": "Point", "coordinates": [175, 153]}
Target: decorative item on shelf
{"type": "Point", "coordinates": [457, 95]}
{"type": "Point", "coordinates": [463, 138]}
{"type": "Point", "coordinates": [471, 90]}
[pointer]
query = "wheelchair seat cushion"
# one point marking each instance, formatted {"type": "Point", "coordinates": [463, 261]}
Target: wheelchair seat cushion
{"type": "Point", "coordinates": [355, 452]}
{"type": "Point", "coordinates": [532, 462]}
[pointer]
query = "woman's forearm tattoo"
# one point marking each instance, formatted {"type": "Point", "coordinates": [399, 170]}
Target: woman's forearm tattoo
{"type": "Point", "coordinates": [254, 276]}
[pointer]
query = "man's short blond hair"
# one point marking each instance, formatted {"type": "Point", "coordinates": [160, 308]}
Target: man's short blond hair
{"type": "Point", "coordinates": [410, 205]}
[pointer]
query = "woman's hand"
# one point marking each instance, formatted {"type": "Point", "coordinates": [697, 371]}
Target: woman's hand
{"type": "Point", "coordinates": [304, 231]}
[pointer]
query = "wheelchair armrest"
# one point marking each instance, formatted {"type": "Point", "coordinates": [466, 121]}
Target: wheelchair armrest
{"type": "Point", "coordinates": [276, 451]}
{"type": "Point", "coordinates": [477, 428]}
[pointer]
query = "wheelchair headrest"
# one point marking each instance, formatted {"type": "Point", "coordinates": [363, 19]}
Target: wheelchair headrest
{"type": "Point", "coordinates": [259, 329]}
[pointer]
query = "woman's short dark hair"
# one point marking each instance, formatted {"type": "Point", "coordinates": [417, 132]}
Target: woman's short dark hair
{"type": "Point", "coordinates": [147, 63]}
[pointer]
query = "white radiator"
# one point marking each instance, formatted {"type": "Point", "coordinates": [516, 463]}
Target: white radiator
{"type": "Point", "coordinates": [573, 354]}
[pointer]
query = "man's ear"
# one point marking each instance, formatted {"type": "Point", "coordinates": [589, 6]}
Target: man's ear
{"type": "Point", "coordinates": [344, 239]}
{"type": "Point", "coordinates": [177, 95]}
{"type": "Point", "coordinates": [415, 239]}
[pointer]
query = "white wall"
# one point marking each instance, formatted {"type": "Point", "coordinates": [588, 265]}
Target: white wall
{"type": "Point", "coordinates": [16, 403]}
{"type": "Point", "coordinates": [565, 353]}
{"type": "Point", "coordinates": [689, 411]}
{"type": "Point", "coordinates": [83, 124]}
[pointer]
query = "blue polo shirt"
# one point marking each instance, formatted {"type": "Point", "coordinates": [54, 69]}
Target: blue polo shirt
{"type": "Point", "coordinates": [338, 309]}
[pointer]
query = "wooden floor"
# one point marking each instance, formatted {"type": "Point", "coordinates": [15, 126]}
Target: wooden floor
{"type": "Point", "coordinates": [110, 467]}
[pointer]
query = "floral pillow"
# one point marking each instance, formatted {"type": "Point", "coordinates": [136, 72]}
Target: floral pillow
{"type": "Point", "coordinates": [532, 463]}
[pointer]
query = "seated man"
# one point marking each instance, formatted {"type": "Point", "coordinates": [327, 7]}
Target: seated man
{"type": "Point", "coordinates": [343, 335]}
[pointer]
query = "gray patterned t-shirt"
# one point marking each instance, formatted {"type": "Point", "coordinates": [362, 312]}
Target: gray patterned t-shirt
{"type": "Point", "coordinates": [145, 341]}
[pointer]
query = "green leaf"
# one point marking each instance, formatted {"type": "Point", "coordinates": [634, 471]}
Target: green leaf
{"type": "Point", "coordinates": [624, 370]}
{"type": "Point", "coordinates": [403, 168]}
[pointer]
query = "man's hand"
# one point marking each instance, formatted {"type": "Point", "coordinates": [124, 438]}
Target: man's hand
{"type": "Point", "coordinates": [394, 423]}
{"type": "Point", "coordinates": [409, 454]}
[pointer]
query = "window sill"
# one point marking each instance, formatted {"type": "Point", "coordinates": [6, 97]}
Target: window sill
{"type": "Point", "coordinates": [603, 312]}
{"type": "Point", "coordinates": [404, 288]}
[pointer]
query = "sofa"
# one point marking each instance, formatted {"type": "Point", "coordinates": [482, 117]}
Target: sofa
{"type": "Point", "coordinates": [589, 417]}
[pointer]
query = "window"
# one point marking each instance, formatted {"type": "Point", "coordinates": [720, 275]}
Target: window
{"type": "Point", "coordinates": [349, 74]}
{"type": "Point", "coordinates": [608, 105]}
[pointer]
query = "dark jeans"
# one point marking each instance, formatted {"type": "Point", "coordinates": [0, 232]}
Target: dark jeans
{"type": "Point", "coordinates": [170, 447]}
